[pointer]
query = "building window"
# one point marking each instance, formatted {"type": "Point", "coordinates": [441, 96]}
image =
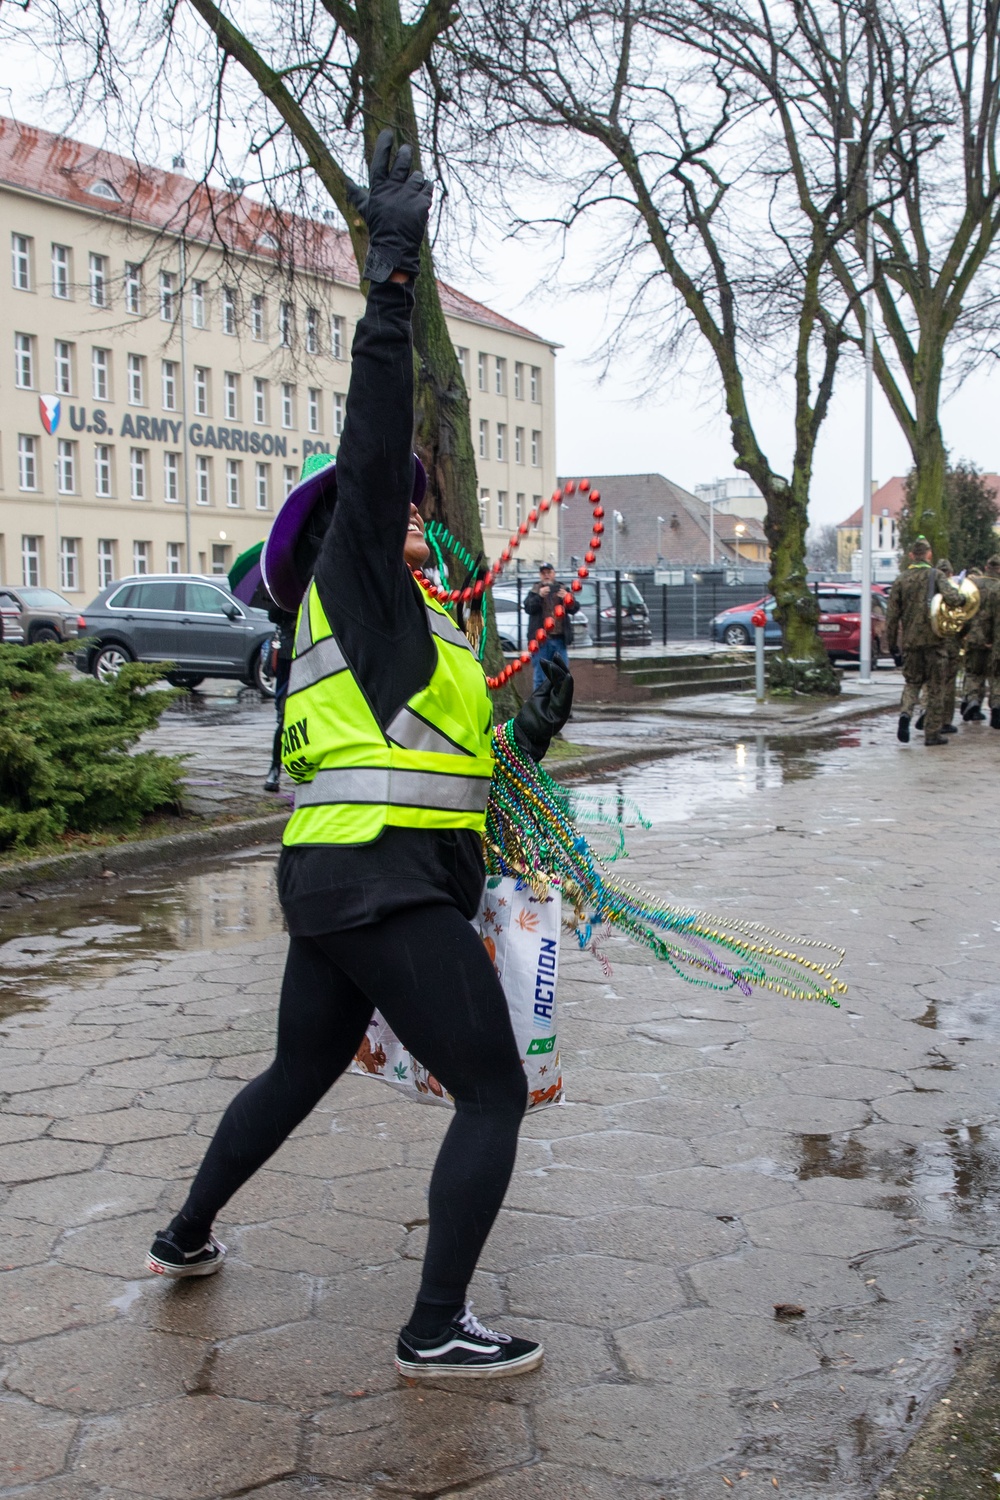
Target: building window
{"type": "Point", "coordinates": [198, 319]}
{"type": "Point", "coordinates": [312, 330]}
{"type": "Point", "coordinates": [228, 310]}
{"type": "Point", "coordinates": [462, 355]}
{"type": "Point", "coordinates": [338, 413]}
{"type": "Point", "coordinates": [220, 559]}
{"type": "Point", "coordinates": [231, 395]}
{"type": "Point", "coordinates": [501, 442]}
{"type": "Point", "coordinates": [259, 400]}
{"type": "Point", "coordinates": [518, 382]}
{"type": "Point", "coordinates": [484, 507]}
{"type": "Point", "coordinates": [262, 485]}
{"type": "Point", "coordinates": [137, 459]}
{"type": "Point", "coordinates": [169, 385]}
{"type": "Point", "coordinates": [105, 562]}
{"type": "Point", "coordinates": [98, 280]}
{"type": "Point", "coordinates": [172, 477]}
{"type": "Point", "coordinates": [66, 466]}
{"type": "Point", "coordinates": [64, 368]}
{"type": "Point", "coordinates": [20, 262]}
{"type": "Point", "coordinates": [200, 391]}
{"type": "Point", "coordinates": [102, 472]}
{"type": "Point", "coordinates": [536, 449]}
{"type": "Point", "coordinates": [168, 296]}
{"type": "Point", "coordinates": [233, 467]}
{"type": "Point", "coordinates": [287, 405]}
{"type": "Point", "coordinates": [500, 380]}
{"type": "Point", "coordinates": [288, 478]}
{"type": "Point", "coordinates": [257, 318]}
{"type": "Point", "coordinates": [27, 462]}
{"type": "Point", "coordinates": [314, 423]}
{"type": "Point", "coordinates": [31, 552]}
{"type": "Point", "coordinates": [286, 324]}
{"type": "Point", "coordinates": [140, 557]}
{"type": "Point", "coordinates": [482, 372]}
{"type": "Point", "coordinates": [69, 563]}
{"type": "Point", "coordinates": [501, 508]}
{"type": "Point", "coordinates": [24, 361]}
{"type": "Point", "coordinates": [133, 287]}
{"type": "Point", "coordinates": [60, 272]}
{"type": "Point", "coordinates": [536, 377]}
{"type": "Point", "coordinates": [518, 509]}
{"type": "Point", "coordinates": [484, 438]}
{"type": "Point", "coordinates": [519, 445]}
{"type": "Point", "coordinates": [337, 337]}
{"type": "Point", "coordinates": [174, 550]}
{"type": "Point", "coordinates": [100, 368]}
{"type": "Point", "coordinates": [135, 380]}
{"type": "Point", "coordinates": [202, 480]}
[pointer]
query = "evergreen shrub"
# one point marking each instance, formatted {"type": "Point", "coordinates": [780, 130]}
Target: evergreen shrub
{"type": "Point", "coordinates": [65, 765]}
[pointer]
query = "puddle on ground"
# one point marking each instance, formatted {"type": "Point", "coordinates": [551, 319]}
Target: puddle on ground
{"type": "Point", "coordinates": [972, 1017]}
{"type": "Point", "coordinates": [936, 1181]}
{"type": "Point", "coordinates": [676, 787]}
{"type": "Point", "coordinates": [99, 928]}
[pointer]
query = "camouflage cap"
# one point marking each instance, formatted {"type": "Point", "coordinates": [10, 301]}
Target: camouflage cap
{"type": "Point", "coordinates": [944, 566]}
{"type": "Point", "coordinates": [993, 563]}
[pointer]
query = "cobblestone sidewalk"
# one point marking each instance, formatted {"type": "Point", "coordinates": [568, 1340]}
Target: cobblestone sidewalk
{"type": "Point", "coordinates": [718, 1156]}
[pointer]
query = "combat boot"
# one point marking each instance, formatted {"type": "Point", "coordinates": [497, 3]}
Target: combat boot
{"type": "Point", "coordinates": [920, 722]}
{"type": "Point", "coordinates": [903, 729]}
{"type": "Point", "coordinates": [948, 729]}
{"type": "Point", "coordinates": [935, 739]}
{"type": "Point", "coordinates": [995, 718]}
{"type": "Point", "coordinates": [973, 714]}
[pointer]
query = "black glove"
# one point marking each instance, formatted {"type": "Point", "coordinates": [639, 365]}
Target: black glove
{"type": "Point", "coordinates": [546, 711]}
{"type": "Point", "coordinates": [395, 208]}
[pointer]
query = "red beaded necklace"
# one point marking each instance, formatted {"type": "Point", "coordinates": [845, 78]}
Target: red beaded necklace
{"type": "Point", "coordinates": [476, 590]}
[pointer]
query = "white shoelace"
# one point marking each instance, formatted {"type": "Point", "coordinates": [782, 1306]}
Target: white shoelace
{"type": "Point", "coordinates": [471, 1324]}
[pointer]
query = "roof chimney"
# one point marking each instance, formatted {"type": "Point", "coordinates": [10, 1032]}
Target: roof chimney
{"type": "Point", "coordinates": [178, 164]}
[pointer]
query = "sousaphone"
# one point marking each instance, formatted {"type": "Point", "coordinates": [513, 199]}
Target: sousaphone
{"type": "Point", "coordinates": [949, 620]}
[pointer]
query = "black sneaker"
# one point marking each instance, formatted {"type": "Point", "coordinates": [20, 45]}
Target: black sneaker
{"type": "Point", "coordinates": [903, 729]}
{"type": "Point", "coordinates": [468, 1350]}
{"type": "Point", "coordinates": [166, 1258]}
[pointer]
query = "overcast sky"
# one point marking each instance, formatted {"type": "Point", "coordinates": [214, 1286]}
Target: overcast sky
{"type": "Point", "coordinates": [681, 431]}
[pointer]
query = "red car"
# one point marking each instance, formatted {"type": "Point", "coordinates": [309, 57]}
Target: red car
{"type": "Point", "coordinates": [840, 620]}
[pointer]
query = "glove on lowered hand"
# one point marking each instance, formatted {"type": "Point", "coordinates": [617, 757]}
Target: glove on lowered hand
{"type": "Point", "coordinates": [395, 209]}
{"type": "Point", "coordinates": [546, 711]}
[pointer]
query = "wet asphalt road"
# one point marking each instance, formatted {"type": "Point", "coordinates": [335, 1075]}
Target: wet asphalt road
{"type": "Point", "coordinates": [717, 1156]}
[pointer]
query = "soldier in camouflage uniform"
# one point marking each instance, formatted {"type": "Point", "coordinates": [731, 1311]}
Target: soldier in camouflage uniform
{"type": "Point", "coordinates": [980, 644]}
{"type": "Point", "coordinates": [924, 657]}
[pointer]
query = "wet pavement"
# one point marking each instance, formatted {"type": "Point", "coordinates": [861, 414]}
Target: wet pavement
{"type": "Point", "coordinates": [717, 1156]}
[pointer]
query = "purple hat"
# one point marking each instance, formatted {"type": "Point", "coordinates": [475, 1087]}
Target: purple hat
{"type": "Point", "coordinates": [297, 532]}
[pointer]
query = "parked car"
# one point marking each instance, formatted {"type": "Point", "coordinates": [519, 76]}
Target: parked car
{"type": "Point", "coordinates": [194, 622]}
{"type": "Point", "coordinates": [597, 603]}
{"type": "Point", "coordinates": [11, 633]}
{"type": "Point", "coordinates": [506, 608]}
{"type": "Point", "coordinates": [734, 627]}
{"type": "Point", "coordinates": [43, 614]}
{"type": "Point", "coordinates": [839, 622]}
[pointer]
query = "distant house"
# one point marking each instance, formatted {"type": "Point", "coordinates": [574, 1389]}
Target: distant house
{"type": "Point", "coordinates": [888, 502]}
{"type": "Point", "coordinates": [660, 523]}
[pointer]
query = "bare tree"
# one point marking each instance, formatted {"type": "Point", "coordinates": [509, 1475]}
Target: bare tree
{"type": "Point", "coordinates": [292, 84]}
{"type": "Point", "coordinates": [725, 213]}
{"type": "Point", "coordinates": [924, 93]}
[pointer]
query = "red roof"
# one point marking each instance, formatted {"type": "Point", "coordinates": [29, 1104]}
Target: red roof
{"type": "Point", "coordinates": [891, 497]}
{"type": "Point", "coordinates": [54, 166]}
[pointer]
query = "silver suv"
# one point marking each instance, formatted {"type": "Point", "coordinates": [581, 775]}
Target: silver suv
{"type": "Point", "coordinates": [192, 622]}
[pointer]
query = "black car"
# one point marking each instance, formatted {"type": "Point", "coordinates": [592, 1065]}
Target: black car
{"type": "Point", "coordinates": [597, 598]}
{"type": "Point", "coordinates": [192, 622]}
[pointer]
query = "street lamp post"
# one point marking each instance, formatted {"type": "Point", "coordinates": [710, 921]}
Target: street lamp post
{"type": "Point", "coordinates": [740, 530]}
{"type": "Point", "coordinates": [711, 531]}
{"type": "Point", "coordinates": [659, 528]}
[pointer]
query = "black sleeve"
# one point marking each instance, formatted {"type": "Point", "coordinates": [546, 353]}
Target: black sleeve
{"type": "Point", "coordinates": [364, 585]}
{"type": "Point", "coordinates": [532, 604]}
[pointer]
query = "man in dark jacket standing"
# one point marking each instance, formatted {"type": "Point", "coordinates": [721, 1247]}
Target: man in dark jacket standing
{"type": "Point", "coordinates": [924, 654]}
{"type": "Point", "coordinates": [540, 605]}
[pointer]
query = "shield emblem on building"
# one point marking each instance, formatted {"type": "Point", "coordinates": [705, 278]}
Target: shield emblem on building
{"type": "Point", "coordinates": [50, 409]}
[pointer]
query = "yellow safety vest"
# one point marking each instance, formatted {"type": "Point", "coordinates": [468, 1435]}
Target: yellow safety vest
{"type": "Point", "coordinates": [429, 768]}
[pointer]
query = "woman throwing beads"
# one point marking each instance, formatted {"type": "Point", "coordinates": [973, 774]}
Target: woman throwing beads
{"type": "Point", "coordinates": [387, 733]}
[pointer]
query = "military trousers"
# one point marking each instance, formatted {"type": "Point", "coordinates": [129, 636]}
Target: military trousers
{"type": "Point", "coordinates": [977, 672]}
{"type": "Point", "coordinates": [925, 666]}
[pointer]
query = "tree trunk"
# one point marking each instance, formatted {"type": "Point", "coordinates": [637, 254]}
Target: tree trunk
{"type": "Point", "coordinates": [928, 509]}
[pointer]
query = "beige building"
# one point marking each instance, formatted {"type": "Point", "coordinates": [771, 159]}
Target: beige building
{"type": "Point", "coordinates": [173, 356]}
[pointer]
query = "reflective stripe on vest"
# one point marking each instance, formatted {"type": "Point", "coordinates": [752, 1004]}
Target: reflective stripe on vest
{"type": "Point", "coordinates": [414, 733]}
{"type": "Point", "coordinates": [385, 784]}
{"type": "Point", "coordinates": [323, 660]}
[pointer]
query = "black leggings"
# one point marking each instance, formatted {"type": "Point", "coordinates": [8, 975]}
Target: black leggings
{"type": "Point", "coordinates": [428, 973]}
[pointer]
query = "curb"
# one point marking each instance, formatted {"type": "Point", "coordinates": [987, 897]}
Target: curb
{"type": "Point", "coordinates": [121, 859]}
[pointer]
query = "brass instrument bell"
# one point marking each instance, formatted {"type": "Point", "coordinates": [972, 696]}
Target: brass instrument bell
{"type": "Point", "coordinates": [949, 620]}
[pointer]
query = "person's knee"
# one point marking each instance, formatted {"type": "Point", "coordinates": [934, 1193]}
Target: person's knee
{"type": "Point", "coordinates": [502, 1091]}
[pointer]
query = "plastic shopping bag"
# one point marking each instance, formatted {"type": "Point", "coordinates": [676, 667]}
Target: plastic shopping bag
{"type": "Point", "coordinates": [520, 931]}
